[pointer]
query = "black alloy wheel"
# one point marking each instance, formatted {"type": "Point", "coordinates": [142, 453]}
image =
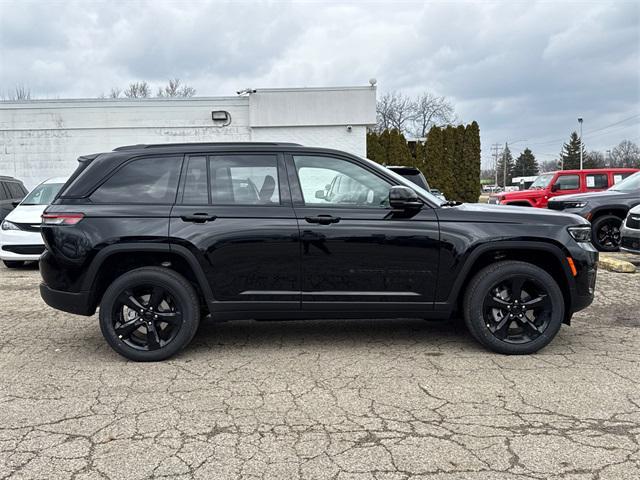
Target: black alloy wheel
{"type": "Point", "coordinates": [147, 317]}
{"type": "Point", "coordinates": [149, 314]}
{"type": "Point", "coordinates": [517, 309]}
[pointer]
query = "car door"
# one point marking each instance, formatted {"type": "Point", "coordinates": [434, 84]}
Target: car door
{"type": "Point", "coordinates": [358, 254]}
{"type": "Point", "coordinates": [565, 184]}
{"type": "Point", "coordinates": [234, 214]}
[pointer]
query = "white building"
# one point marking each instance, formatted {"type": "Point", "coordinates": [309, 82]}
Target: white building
{"type": "Point", "coordinates": [40, 139]}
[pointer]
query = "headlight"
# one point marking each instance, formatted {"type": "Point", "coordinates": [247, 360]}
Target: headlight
{"type": "Point", "coordinates": [575, 204]}
{"type": "Point", "coordinates": [7, 225]}
{"type": "Point", "coordinates": [580, 233]}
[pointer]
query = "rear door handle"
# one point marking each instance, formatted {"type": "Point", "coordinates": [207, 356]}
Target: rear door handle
{"type": "Point", "coordinates": [198, 218]}
{"type": "Point", "coordinates": [322, 219]}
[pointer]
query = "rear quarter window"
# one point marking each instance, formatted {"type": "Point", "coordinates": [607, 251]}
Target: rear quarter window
{"type": "Point", "coordinates": [149, 180]}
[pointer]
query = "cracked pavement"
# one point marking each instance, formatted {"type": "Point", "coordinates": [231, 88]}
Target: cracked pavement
{"type": "Point", "coordinates": [383, 399]}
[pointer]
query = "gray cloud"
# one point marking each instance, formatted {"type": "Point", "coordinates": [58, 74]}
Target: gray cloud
{"type": "Point", "coordinates": [523, 70]}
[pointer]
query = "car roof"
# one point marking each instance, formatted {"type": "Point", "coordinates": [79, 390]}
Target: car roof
{"type": "Point", "coordinates": [595, 170]}
{"type": "Point", "coordinates": [55, 180]}
{"type": "Point", "coordinates": [6, 178]}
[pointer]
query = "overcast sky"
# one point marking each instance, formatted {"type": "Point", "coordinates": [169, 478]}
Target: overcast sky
{"type": "Point", "coordinates": [523, 70]}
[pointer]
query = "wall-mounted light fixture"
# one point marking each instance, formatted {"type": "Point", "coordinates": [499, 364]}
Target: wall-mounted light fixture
{"type": "Point", "coordinates": [221, 118]}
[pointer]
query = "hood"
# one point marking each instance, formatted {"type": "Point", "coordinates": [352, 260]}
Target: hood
{"type": "Point", "coordinates": [635, 210]}
{"type": "Point", "coordinates": [521, 194]}
{"type": "Point", "coordinates": [511, 214]}
{"type": "Point", "coordinates": [587, 196]}
{"type": "Point", "coordinates": [26, 214]}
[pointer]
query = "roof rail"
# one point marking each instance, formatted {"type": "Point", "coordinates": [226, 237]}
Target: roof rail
{"type": "Point", "coordinates": [202, 144]}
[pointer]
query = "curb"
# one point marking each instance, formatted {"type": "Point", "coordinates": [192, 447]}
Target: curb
{"type": "Point", "coordinates": [615, 265]}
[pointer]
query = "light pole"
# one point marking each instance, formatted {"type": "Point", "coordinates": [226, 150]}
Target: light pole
{"type": "Point", "coordinates": [580, 122]}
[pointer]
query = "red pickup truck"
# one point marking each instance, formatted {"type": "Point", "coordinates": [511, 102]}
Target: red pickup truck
{"type": "Point", "coordinates": [563, 182]}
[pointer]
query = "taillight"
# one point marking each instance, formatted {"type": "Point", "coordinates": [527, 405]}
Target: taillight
{"type": "Point", "coordinates": [61, 218]}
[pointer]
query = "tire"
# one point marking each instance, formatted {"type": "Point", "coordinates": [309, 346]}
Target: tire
{"type": "Point", "coordinates": [605, 233]}
{"type": "Point", "coordinates": [13, 263]}
{"type": "Point", "coordinates": [149, 314]}
{"type": "Point", "coordinates": [512, 328]}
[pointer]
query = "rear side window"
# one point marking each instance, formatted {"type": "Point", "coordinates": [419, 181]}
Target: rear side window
{"type": "Point", "coordinates": [597, 181]}
{"type": "Point", "coordinates": [15, 190]}
{"type": "Point", "coordinates": [244, 180]}
{"type": "Point", "coordinates": [3, 193]}
{"type": "Point", "coordinates": [568, 182]}
{"type": "Point", "coordinates": [150, 180]}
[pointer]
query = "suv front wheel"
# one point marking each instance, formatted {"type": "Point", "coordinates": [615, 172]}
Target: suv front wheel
{"type": "Point", "coordinates": [513, 307]}
{"type": "Point", "coordinates": [149, 314]}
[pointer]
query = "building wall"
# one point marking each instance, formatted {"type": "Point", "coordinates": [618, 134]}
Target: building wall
{"type": "Point", "coordinates": [43, 138]}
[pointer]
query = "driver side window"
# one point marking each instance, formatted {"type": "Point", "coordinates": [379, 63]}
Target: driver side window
{"type": "Point", "coordinates": [327, 181]}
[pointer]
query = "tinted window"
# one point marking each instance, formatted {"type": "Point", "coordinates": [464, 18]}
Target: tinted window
{"type": "Point", "coordinates": [196, 187]}
{"type": "Point", "coordinates": [630, 184]}
{"type": "Point", "coordinates": [3, 194]}
{"type": "Point", "coordinates": [597, 180]}
{"type": "Point", "coordinates": [147, 180]}
{"type": "Point", "coordinates": [244, 180]}
{"type": "Point", "coordinates": [332, 181]}
{"type": "Point", "coordinates": [15, 190]}
{"type": "Point", "coordinates": [43, 194]}
{"type": "Point", "coordinates": [568, 182]}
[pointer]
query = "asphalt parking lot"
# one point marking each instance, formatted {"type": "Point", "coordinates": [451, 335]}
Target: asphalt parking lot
{"type": "Point", "coordinates": [359, 400]}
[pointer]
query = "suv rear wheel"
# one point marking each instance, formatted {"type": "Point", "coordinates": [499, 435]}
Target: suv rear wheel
{"type": "Point", "coordinates": [513, 307]}
{"type": "Point", "coordinates": [605, 233]}
{"type": "Point", "coordinates": [149, 314]}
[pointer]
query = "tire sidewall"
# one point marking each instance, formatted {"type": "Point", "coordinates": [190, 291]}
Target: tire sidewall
{"type": "Point", "coordinates": [487, 279]}
{"type": "Point", "coordinates": [177, 286]}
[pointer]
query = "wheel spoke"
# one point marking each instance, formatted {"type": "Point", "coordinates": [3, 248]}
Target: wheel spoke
{"type": "Point", "coordinates": [127, 298]}
{"type": "Point", "coordinates": [497, 302]}
{"type": "Point", "coordinates": [126, 329]}
{"type": "Point", "coordinates": [153, 340]}
{"type": "Point", "coordinates": [516, 288]}
{"type": "Point", "coordinates": [157, 295]}
{"type": "Point", "coordinates": [172, 318]}
{"type": "Point", "coordinates": [529, 325]}
{"type": "Point", "coordinates": [537, 302]}
{"type": "Point", "coordinates": [502, 327]}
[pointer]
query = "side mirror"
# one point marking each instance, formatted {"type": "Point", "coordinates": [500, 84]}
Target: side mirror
{"type": "Point", "coordinates": [15, 204]}
{"type": "Point", "coordinates": [404, 198]}
{"type": "Point", "coordinates": [555, 187]}
{"type": "Point", "coordinates": [320, 194]}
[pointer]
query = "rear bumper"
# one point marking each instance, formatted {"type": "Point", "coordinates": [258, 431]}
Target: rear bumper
{"type": "Point", "coordinates": [73, 302]}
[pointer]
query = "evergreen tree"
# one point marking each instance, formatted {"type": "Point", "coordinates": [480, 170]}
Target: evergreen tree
{"type": "Point", "coordinates": [389, 148]}
{"type": "Point", "coordinates": [505, 167]}
{"type": "Point", "coordinates": [526, 165]}
{"type": "Point", "coordinates": [470, 164]}
{"type": "Point", "coordinates": [570, 154]}
{"type": "Point", "coordinates": [434, 158]}
{"type": "Point", "coordinates": [449, 188]}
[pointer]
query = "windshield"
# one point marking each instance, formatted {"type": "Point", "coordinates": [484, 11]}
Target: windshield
{"type": "Point", "coordinates": [542, 181]}
{"type": "Point", "coordinates": [43, 194]}
{"type": "Point", "coordinates": [421, 191]}
{"type": "Point", "coordinates": [629, 184]}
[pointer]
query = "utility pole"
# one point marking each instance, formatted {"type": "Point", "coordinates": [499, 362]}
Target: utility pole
{"type": "Point", "coordinates": [504, 161]}
{"type": "Point", "coordinates": [580, 122]}
{"type": "Point", "coordinates": [494, 149]}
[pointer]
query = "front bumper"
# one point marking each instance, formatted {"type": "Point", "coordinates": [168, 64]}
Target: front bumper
{"type": "Point", "coordinates": [629, 239]}
{"type": "Point", "coordinates": [19, 245]}
{"type": "Point", "coordinates": [78, 303]}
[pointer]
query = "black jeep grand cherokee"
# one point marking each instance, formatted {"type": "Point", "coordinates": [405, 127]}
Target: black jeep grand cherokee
{"type": "Point", "coordinates": [160, 235]}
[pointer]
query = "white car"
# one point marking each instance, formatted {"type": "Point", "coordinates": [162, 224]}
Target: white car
{"type": "Point", "coordinates": [20, 239]}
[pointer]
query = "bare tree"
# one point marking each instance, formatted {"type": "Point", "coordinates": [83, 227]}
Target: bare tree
{"type": "Point", "coordinates": [626, 154]}
{"type": "Point", "coordinates": [115, 92]}
{"type": "Point", "coordinates": [430, 110]}
{"type": "Point", "coordinates": [549, 166]}
{"type": "Point", "coordinates": [394, 111]}
{"type": "Point", "coordinates": [138, 90]}
{"type": "Point", "coordinates": [20, 92]}
{"type": "Point", "coordinates": [173, 89]}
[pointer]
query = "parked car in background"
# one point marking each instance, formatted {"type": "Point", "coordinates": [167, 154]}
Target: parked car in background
{"type": "Point", "coordinates": [563, 182]}
{"type": "Point", "coordinates": [20, 239]}
{"type": "Point", "coordinates": [606, 210]}
{"type": "Point", "coordinates": [158, 235]}
{"type": "Point", "coordinates": [630, 231]}
{"type": "Point", "coordinates": [414, 175]}
{"type": "Point", "coordinates": [12, 191]}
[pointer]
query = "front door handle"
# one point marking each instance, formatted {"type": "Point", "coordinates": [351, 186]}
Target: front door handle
{"type": "Point", "coordinates": [198, 218]}
{"type": "Point", "coordinates": [323, 219]}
